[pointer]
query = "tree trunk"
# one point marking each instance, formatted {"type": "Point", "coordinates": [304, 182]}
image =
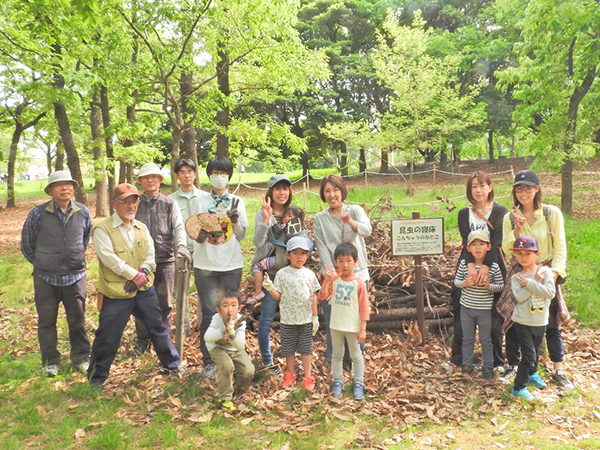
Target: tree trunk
{"type": "Point", "coordinates": [343, 159]}
{"type": "Point", "coordinates": [305, 167]}
{"type": "Point", "coordinates": [385, 160]}
{"type": "Point", "coordinates": [443, 159]}
{"type": "Point", "coordinates": [566, 191]}
{"type": "Point", "coordinates": [99, 163]}
{"type": "Point", "coordinates": [60, 112]}
{"type": "Point", "coordinates": [189, 112]}
{"type": "Point", "coordinates": [362, 161]}
{"type": "Point", "coordinates": [12, 159]}
{"type": "Point", "coordinates": [108, 145]}
{"type": "Point", "coordinates": [59, 164]}
{"type": "Point", "coordinates": [490, 139]}
{"type": "Point", "coordinates": [223, 114]}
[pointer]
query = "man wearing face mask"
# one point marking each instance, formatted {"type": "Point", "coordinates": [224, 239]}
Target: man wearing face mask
{"type": "Point", "coordinates": [163, 218]}
{"type": "Point", "coordinates": [218, 260]}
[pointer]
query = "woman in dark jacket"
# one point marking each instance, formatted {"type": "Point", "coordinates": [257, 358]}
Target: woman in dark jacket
{"type": "Point", "coordinates": [487, 215]}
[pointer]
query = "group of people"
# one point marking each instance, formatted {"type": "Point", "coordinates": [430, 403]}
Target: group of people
{"type": "Point", "coordinates": [137, 247]}
{"type": "Point", "coordinates": [507, 282]}
{"type": "Point", "coordinates": [138, 244]}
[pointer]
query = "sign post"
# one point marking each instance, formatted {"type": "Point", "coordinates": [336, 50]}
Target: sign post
{"type": "Point", "coordinates": [416, 237]}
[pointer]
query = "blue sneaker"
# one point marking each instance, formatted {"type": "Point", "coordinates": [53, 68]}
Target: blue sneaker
{"type": "Point", "coordinates": [336, 389]}
{"type": "Point", "coordinates": [524, 394]}
{"type": "Point", "coordinates": [358, 390]}
{"type": "Point", "coordinates": [537, 381]}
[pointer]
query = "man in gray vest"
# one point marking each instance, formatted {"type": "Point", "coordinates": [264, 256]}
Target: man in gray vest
{"type": "Point", "coordinates": [162, 216]}
{"type": "Point", "coordinates": [125, 252]}
{"type": "Point", "coordinates": [186, 197]}
{"type": "Point", "coordinates": [54, 239]}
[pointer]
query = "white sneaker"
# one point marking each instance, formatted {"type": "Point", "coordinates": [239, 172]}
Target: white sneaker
{"type": "Point", "coordinates": [509, 375]}
{"type": "Point", "coordinates": [498, 370]}
{"type": "Point", "coordinates": [81, 367]}
{"type": "Point", "coordinates": [51, 370]}
{"type": "Point", "coordinates": [448, 367]}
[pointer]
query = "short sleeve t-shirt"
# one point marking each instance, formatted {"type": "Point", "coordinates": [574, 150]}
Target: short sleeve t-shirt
{"type": "Point", "coordinates": [297, 287]}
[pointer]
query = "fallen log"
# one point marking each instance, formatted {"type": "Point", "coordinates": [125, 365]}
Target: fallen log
{"type": "Point", "coordinates": [409, 313]}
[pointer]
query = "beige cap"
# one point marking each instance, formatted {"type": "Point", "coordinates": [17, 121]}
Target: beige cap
{"type": "Point", "coordinates": [60, 175]}
{"type": "Point", "coordinates": [482, 235]}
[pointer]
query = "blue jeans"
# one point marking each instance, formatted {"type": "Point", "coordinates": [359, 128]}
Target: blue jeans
{"type": "Point", "coordinates": [327, 316]}
{"type": "Point", "coordinates": [268, 308]}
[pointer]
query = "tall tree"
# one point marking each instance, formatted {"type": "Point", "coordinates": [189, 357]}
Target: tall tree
{"type": "Point", "coordinates": [559, 54]}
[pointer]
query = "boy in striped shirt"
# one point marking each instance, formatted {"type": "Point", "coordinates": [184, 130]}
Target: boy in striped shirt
{"type": "Point", "coordinates": [476, 304]}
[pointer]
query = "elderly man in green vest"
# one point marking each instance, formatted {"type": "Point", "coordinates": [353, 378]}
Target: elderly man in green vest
{"type": "Point", "coordinates": [125, 252]}
{"type": "Point", "coordinates": [54, 238]}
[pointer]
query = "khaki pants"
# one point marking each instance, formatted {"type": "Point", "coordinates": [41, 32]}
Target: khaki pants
{"type": "Point", "coordinates": [233, 370]}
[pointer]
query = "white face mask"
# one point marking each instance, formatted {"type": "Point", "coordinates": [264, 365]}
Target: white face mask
{"type": "Point", "coordinates": [219, 181]}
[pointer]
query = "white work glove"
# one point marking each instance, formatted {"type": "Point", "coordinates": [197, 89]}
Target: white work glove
{"type": "Point", "coordinates": [268, 284]}
{"type": "Point", "coordinates": [315, 325]}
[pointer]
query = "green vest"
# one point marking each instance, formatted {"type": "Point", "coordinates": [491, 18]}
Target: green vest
{"type": "Point", "coordinates": [111, 284]}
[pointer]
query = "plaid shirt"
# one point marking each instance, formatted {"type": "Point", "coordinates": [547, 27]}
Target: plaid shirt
{"type": "Point", "coordinates": [507, 301]}
{"type": "Point", "coordinates": [29, 237]}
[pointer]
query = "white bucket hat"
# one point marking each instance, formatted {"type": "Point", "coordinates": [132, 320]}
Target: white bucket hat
{"type": "Point", "coordinates": [60, 175]}
{"type": "Point", "coordinates": [149, 169]}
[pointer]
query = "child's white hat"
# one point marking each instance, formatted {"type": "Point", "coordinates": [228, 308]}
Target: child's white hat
{"type": "Point", "coordinates": [298, 242]}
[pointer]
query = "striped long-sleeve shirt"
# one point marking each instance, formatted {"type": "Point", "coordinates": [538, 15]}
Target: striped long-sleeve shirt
{"type": "Point", "coordinates": [478, 297]}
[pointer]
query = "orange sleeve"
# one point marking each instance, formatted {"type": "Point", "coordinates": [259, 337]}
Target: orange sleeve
{"type": "Point", "coordinates": [363, 300]}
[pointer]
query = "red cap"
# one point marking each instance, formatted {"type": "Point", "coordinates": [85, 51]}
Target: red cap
{"type": "Point", "coordinates": [124, 190]}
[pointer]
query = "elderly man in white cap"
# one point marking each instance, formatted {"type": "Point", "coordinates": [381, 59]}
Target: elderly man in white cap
{"type": "Point", "coordinates": [54, 239]}
{"type": "Point", "coordinates": [162, 216]}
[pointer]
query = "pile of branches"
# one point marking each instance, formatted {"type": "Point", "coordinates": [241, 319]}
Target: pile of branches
{"type": "Point", "coordinates": [392, 287]}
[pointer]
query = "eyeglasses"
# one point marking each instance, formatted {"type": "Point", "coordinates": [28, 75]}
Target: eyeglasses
{"type": "Point", "coordinates": [129, 201]}
{"type": "Point", "coordinates": [527, 189]}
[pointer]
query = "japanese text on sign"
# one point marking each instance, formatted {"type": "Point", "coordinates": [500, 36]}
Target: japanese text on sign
{"type": "Point", "coordinates": [417, 237]}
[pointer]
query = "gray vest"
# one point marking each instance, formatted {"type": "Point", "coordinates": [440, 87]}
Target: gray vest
{"type": "Point", "coordinates": [59, 249]}
{"type": "Point", "coordinates": [155, 213]}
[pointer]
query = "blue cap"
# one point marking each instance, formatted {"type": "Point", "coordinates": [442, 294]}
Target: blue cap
{"type": "Point", "coordinates": [525, 243]}
{"type": "Point", "coordinates": [298, 242]}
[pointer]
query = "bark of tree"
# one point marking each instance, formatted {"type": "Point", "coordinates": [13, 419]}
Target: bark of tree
{"type": "Point", "coordinates": [362, 161]}
{"type": "Point", "coordinates": [343, 159]}
{"type": "Point", "coordinates": [189, 134]}
{"type": "Point", "coordinates": [385, 160]}
{"type": "Point", "coordinates": [59, 164]}
{"type": "Point", "coordinates": [223, 114]}
{"type": "Point", "coordinates": [102, 209]}
{"type": "Point", "coordinates": [108, 145]}
{"type": "Point", "coordinates": [12, 153]}
{"type": "Point", "coordinates": [490, 139]}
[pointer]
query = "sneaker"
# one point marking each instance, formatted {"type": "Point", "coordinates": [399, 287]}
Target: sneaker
{"type": "Point", "coordinates": [467, 369]}
{"type": "Point", "coordinates": [498, 370]}
{"type": "Point", "coordinates": [227, 405]}
{"type": "Point", "coordinates": [487, 374]}
{"type": "Point", "coordinates": [209, 371]}
{"type": "Point", "coordinates": [448, 367]}
{"type": "Point", "coordinates": [81, 367]}
{"type": "Point", "coordinates": [336, 388]}
{"type": "Point", "coordinates": [255, 298]}
{"type": "Point", "coordinates": [288, 379]}
{"type": "Point", "coordinates": [358, 389]}
{"type": "Point", "coordinates": [273, 368]}
{"type": "Point", "coordinates": [51, 370]}
{"type": "Point", "coordinates": [509, 374]}
{"type": "Point", "coordinates": [524, 394]}
{"type": "Point", "coordinates": [560, 378]}
{"type": "Point", "coordinates": [309, 383]}
{"type": "Point", "coordinates": [176, 371]}
{"type": "Point", "coordinates": [537, 381]}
